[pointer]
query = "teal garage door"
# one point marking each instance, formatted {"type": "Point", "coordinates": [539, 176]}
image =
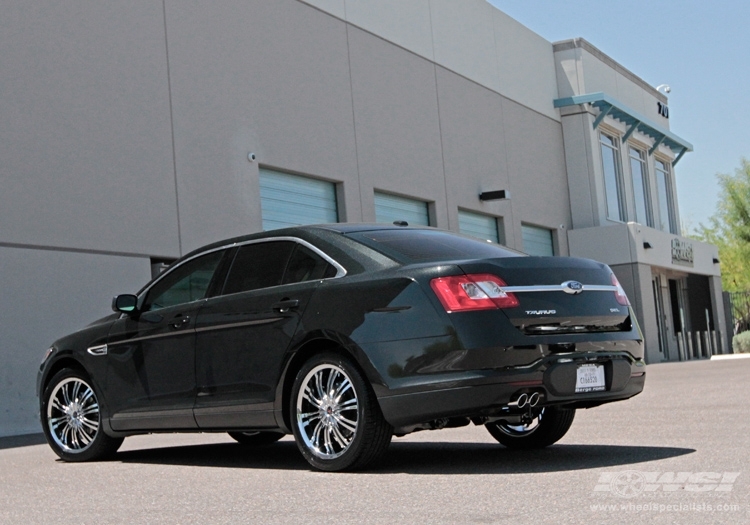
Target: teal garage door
{"type": "Point", "coordinates": [537, 241]}
{"type": "Point", "coordinates": [389, 208]}
{"type": "Point", "coordinates": [291, 200]}
{"type": "Point", "coordinates": [478, 225]}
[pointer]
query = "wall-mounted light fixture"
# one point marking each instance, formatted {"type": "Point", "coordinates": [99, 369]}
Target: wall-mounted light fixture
{"type": "Point", "coordinates": [663, 88]}
{"type": "Point", "coordinates": [716, 261]}
{"type": "Point", "coordinates": [494, 195]}
{"type": "Point", "coordinates": [647, 245]}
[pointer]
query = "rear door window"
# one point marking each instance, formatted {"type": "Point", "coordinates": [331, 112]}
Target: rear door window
{"type": "Point", "coordinates": [258, 265]}
{"type": "Point", "coordinates": [306, 265]}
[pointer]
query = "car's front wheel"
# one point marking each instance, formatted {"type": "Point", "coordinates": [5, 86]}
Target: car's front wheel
{"type": "Point", "coordinates": [336, 418]}
{"type": "Point", "coordinates": [72, 420]}
{"type": "Point", "coordinates": [546, 428]}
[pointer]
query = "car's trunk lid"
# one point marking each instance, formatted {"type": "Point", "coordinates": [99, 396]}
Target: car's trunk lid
{"type": "Point", "coordinates": [557, 294]}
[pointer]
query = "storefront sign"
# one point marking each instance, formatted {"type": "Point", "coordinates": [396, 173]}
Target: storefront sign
{"type": "Point", "coordinates": [682, 252]}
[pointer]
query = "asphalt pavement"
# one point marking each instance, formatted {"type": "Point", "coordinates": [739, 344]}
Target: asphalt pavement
{"type": "Point", "coordinates": [677, 453]}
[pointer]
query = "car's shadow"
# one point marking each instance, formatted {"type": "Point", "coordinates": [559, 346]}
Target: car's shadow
{"type": "Point", "coordinates": [415, 457]}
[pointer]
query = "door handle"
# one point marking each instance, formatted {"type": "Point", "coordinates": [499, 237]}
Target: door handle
{"type": "Point", "coordinates": [285, 305]}
{"type": "Point", "coordinates": [178, 322]}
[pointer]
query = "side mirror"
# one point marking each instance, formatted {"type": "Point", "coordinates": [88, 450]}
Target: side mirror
{"type": "Point", "coordinates": [125, 303]}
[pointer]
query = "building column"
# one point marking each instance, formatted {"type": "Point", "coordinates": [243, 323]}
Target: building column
{"type": "Point", "coordinates": [720, 324]}
{"type": "Point", "coordinates": [636, 280]}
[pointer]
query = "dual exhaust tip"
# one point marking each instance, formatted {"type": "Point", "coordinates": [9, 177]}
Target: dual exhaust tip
{"type": "Point", "coordinates": [524, 400]}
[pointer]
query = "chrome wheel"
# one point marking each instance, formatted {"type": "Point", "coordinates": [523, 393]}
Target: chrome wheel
{"type": "Point", "coordinates": [546, 428]}
{"type": "Point", "coordinates": [327, 411]}
{"type": "Point", "coordinates": [522, 429]}
{"type": "Point", "coordinates": [73, 415]}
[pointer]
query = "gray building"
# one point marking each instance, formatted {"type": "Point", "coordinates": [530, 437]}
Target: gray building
{"type": "Point", "coordinates": [132, 133]}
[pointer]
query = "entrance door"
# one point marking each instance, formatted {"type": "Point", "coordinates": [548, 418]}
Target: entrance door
{"type": "Point", "coordinates": [679, 317]}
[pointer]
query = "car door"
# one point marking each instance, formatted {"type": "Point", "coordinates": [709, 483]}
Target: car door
{"type": "Point", "coordinates": [243, 335]}
{"type": "Point", "coordinates": [151, 353]}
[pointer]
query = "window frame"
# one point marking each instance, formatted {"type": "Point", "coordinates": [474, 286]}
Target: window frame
{"type": "Point", "coordinates": [220, 268]}
{"type": "Point", "coordinates": [642, 158]}
{"type": "Point", "coordinates": [622, 211]}
{"type": "Point", "coordinates": [340, 270]}
{"type": "Point", "coordinates": [668, 178]}
{"type": "Point", "coordinates": [222, 291]}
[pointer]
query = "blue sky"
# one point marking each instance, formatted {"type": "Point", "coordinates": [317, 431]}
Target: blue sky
{"type": "Point", "coordinates": [700, 49]}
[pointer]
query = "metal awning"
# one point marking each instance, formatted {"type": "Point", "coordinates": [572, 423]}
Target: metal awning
{"type": "Point", "coordinates": [608, 106]}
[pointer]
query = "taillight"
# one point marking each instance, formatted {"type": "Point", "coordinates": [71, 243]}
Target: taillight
{"type": "Point", "coordinates": [620, 292]}
{"type": "Point", "coordinates": [461, 293]}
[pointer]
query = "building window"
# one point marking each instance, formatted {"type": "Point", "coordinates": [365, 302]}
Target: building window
{"type": "Point", "coordinates": [479, 225]}
{"type": "Point", "coordinates": [390, 208]}
{"type": "Point", "coordinates": [639, 173]}
{"type": "Point", "coordinates": [291, 200]}
{"type": "Point", "coordinates": [667, 218]}
{"type": "Point", "coordinates": [612, 177]}
{"type": "Point", "coordinates": [537, 241]}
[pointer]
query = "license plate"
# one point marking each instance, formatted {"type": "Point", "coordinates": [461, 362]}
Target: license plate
{"type": "Point", "coordinates": [590, 378]}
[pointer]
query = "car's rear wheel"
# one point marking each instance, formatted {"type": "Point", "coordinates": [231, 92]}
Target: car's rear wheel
{"type": "Point", "coordinates": [336, 418]}
{"type": "Point", "coordinates": [256, 439]}
{"type": "Point", "coordinates": [72, 419]}
{"type": "Point", "coordinates": [548, 427]}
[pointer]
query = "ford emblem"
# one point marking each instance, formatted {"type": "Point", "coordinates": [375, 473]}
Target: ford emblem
{"type": "Point", "coordinates": [572, 287]}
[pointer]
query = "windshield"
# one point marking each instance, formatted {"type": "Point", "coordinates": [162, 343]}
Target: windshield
{"type": "Point", "coordinates": [415, 246]}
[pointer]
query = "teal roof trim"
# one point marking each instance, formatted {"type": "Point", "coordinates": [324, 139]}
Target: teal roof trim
{"type": "Point", "coordinates": [608, 106]}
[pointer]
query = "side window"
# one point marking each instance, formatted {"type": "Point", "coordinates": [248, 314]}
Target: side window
{"type": "Point", "coordinates": [667, 218]}
{"type": "Point", "coordinates": [306, 265]}
{"type": "Point", "coordinates": [612, 177]}
{"type": "Point", "coordinates": [189, 282]}
{"type": "Point", "coordinates": [258, 265]}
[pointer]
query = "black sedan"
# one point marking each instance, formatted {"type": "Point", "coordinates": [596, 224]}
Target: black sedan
{"type": "Point", "coordinates": [346, 335]}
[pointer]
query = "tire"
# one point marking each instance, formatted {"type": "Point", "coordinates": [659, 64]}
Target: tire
{"type": "Point", "coordinates": [336, 418]}
{"type": "Point", "coordinates": [72, 420]}
{"type": "Point", "coordinates": [547, 428]}
{"type": "Point", "coordinates": [256, 439]}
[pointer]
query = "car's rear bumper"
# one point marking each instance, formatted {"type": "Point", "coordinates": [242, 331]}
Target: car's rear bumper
{"type": "Point", "coordinates": [488, 393]}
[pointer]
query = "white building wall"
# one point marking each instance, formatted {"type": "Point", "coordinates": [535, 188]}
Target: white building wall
{"type": "Point", "coordinates": [470, 37]}
{"type": "Point", "coordinates": [46, 294]}
{"type": "Point", "coordinates": [271, 78]}
{"type": "Point", "coordinates": [85, 133]}
{"type": "Point", "coordinates": [125, 131]}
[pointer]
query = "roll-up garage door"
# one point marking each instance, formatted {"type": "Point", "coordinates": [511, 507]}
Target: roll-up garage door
{"type": "Point", "coordinates": [292, 200]}
{"type": "Point", "coordinates": [537, 241]}
{"type": "Point", "coordinates": [478, 225]}
{"type": "Point", "coordinates": [389, 208]}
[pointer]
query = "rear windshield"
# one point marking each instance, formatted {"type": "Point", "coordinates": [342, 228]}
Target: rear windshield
{"type": "Point", "coordinates": [413, 246]}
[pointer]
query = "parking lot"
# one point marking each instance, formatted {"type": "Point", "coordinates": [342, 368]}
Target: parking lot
{"type": "Point", "coordinates": [675, 454]}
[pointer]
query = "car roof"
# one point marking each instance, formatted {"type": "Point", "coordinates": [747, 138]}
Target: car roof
{"type": "Point", "coordinates": [340, 227]}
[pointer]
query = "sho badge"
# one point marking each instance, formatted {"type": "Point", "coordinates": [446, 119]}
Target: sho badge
{"type": "Point", "coordinates": [572, 287]}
